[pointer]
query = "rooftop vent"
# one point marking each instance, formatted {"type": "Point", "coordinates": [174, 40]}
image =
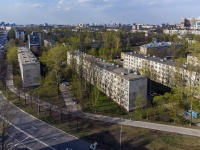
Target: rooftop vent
{"type": "Point", "coordinates": [162, 60]}
{"type": "Point", "coordinates": [117, 66]}
{"type": "Point", "coordinates": [123, 73]}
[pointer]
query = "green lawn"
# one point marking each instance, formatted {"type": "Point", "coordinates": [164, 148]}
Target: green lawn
{"type": "Point", "coordinates": [105, 107]}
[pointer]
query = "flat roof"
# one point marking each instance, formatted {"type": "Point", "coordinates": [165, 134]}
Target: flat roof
{"type": "Point", "coordinates": [151, 58]}
{"type": "Point", "coordinates": [25, 56]}
{"type": "Point", "coordinates": [161, 44]}
{"type": "Point", "coordinates": [119, 71]}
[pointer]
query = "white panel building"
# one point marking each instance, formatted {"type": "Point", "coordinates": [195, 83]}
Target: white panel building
{"type": "Point", "coordinates": [117, 83]}
{"type": "Point", "coordinates": [29, 67]}
{"type": "Point", "coordinates": [163, 70]}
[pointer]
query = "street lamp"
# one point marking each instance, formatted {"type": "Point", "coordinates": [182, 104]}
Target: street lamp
{"type": "Point", "coordinates": [38, 104]}
{"type": "Point", "coordinates": [121, 134]}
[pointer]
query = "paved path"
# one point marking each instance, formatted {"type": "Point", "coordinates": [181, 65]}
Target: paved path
{"type": "Point", "coordinates": [148, 125]}
{"type": "Point", "coordinates": [70, 101]}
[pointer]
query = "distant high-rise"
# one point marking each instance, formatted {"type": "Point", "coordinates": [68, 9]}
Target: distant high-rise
{"type": "Point", "coordinates": [190, 23]}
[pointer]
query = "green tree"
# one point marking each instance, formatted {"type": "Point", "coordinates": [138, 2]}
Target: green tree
{"type": "Point", "coordinates": [95, 97]}
{"type": "Point", "coordinates": [139, 103]}
{"type": "Point", "coordinates": [12, 56]}
{"type": "Point", "coordinates": [11, 34]}
{"type": "Point", "coordinates": [54, 59]}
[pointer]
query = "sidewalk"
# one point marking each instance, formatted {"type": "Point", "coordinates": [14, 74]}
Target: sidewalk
{"type": "Point", "coordinates": [71, 104]}
{"type": "Point", "coordinates": [75, 110]}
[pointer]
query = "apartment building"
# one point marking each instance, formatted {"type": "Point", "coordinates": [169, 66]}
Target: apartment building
{"type": "Point", "coordinates": [34, 41]}
{"type": "Point", "coordinates": [191, 23]}
{"type": "Point", "coordinates": [117, 83]}
{"type": "Point", "coordinates": [161, 70]}
{"type": "Point", "coordinates": [159, 49]}
{"type": "Point", "coordinates": [181, 32]}
{"type": "Point", "coordinates": [20, 35]}
{"type": "Point", "coordinates": [29, 67]}
{"type": "Point", "coordinates": [49, 43]}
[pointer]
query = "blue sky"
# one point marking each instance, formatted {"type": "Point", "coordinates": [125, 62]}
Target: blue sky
{"type": "Point", "coordinates": [97, 11]}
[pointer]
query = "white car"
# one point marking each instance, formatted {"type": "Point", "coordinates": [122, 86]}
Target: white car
{"type": "Point", "coordinates": [65, 83]}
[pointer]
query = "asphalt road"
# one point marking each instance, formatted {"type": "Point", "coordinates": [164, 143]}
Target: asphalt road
{"type": "Point", "coordinates": [28, 132]}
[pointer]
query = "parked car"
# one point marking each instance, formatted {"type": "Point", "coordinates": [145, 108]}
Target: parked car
{"type": "Point", "coordinates": [65, 83]}
{"type": "Point", "coordinates": [194, 113]}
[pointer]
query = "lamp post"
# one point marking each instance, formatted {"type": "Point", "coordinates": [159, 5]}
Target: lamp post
{"type": "Point", "coordinates": [120, 140]}
{"type": "Point", "coordinates": [38, 104]}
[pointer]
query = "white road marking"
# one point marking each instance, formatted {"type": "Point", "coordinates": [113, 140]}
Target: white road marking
{"type": "Point", "coordinates": [55, 138]}
{"type": "Point", "coordinates": [36, 139]}
{"type": "Point", "coordinates": [18, 142]}
{"type": "Point", "coordinates": [21, 141]}
{"type": "Point", "coordinates": [34, 127]}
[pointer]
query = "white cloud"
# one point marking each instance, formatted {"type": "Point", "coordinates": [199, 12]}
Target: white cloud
{"type": "Point", "coordinates": [83, 4]}
{"type": "Point", "coordinates": [83, 1]}
{"type": "Point", "coordinates": [37, 5]}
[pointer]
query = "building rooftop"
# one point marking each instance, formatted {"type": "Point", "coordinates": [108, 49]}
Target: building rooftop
{"type": "Point", "coordinates": [159, 44]}
{"type": "Point", "coordinates": [119, 71]}
{"type": "Point", "coordinates": [152, 58]}
{"type": "Point", "coordinates": [25, 56]}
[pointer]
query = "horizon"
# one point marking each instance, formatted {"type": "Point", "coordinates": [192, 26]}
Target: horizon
{"type": "Point", "coordinates": [97, 11]}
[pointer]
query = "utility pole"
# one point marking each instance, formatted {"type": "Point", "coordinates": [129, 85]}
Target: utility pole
{"type": "Point", "coordinates": [38, 105]}
{"type": "Point", "coordinates": [76, 115]}
{"type": "Point", "coordinates": [121, 135]}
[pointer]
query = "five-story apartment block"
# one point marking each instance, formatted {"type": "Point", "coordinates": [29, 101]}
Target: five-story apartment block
{"type": "Point", "coordinates": [117, 83]}
{"type": "Point", "coordinates": [29, 67]}
{"type": "Point", "coordinates": [163, 71]}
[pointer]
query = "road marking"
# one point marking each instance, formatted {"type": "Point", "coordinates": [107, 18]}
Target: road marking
{"type": "Point", "coordinates": [34, 127]}
{"type": "Point", "coordinates": [33, 137]}
{"type": "Point", "coordinates": [20, 141]}
{"type": "Point", "coordinates": [55, 138]}
{"type": "Point", "coordinates": [36, 139]}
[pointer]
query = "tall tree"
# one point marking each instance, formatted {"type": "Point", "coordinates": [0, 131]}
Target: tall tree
{"type": "Point", "coordinates": [54, 59]}
{"type": "Point", "coordinates": [11, 34]}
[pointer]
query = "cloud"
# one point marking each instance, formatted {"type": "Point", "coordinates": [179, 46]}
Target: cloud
{"type": "Point", "coordinates": [63, 5]}
{"type": "Point", "coordinates": [37, 5]}
{"type": "Point", "coordinates": [83, 1]}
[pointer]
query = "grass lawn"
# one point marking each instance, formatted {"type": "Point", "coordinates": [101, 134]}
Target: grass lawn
{"type": "Point", "coordinates": [105, 107]}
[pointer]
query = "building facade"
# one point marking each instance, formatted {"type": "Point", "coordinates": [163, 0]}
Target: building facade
{"type": "Point", "coordinates": [20, 35]}
{"type": "Point", "coordinates": [159, 49]}
{"type": "Point", "coordinates": [29, 67]}
{"type": "Point", "coordinates": [34, 41]}
{"type": "Point", "coordinates": [117, 83]}
{"type": "Point", "coordinates": [190, 23]}
{"type": "Point", "coordinates": [162, 70]}
{"type": "Point", "coordinates": [49, 43]}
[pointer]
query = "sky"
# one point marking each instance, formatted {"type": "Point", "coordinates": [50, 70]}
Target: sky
{"type": "Point", "coordinates": [97, 11]}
